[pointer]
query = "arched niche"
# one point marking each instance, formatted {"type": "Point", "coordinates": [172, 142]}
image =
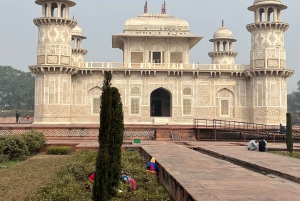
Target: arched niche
{"type": "Point", "coordinates": [161, 103]}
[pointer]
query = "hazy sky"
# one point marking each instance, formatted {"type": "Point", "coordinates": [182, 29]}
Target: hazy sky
{"type": "Point", "coordinates": [100, 19]}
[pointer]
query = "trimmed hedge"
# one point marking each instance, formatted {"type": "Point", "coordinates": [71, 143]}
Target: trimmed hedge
{"type": "Point", "coordinates": [21, 146]}
{"type": "Point", "coordinates": [59, 150]}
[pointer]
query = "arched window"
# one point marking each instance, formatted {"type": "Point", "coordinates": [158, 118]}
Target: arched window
{"type": "Point", "coordinates": [261, 15]}
{"type": "Point", "coordinates": [270, 14]}
{"type": "Point", "coordinates": [218, 46]}
{"type": "Point", "coordinates": [54, 10]}
{"type": "Point", "coordinates": [224, 45]}
{"type": "Point", "coordinates": [63, 11]}
{"type": "Point", "coordinates": [45, 10]}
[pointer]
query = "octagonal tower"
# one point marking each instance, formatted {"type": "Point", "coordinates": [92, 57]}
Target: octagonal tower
{"type": "Point", "coordinates": [54, 69]}
{"type": "Point", "coordinates": [268, 71]}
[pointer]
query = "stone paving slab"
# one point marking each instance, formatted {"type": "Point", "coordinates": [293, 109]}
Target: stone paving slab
{"type": "Point", "coordinates": [284, 165]}
{"type": "Point", "coordinates": [208, 178]}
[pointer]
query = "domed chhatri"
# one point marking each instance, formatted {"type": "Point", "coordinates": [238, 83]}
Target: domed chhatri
{"type": "Point", "coordinates": [223, 32]}
{"type": "Point", "coordinates": [223, 53]}
{"type": "Point", "coordinates": [151, 25]}
{"type": "Point", "coordinates": [68, 2]}
{"type": "Point", "coordinates": [258, 3]}
{"type": "Point", "coordinates": [77, 31]}
{"type": "Point", "coordinates": [266, 1]}
{"type": "Point", "coordinates": [156, 23]}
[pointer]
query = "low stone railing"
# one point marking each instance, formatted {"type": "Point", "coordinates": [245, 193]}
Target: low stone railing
{"type": "Point", "coordinates": [170, 66]}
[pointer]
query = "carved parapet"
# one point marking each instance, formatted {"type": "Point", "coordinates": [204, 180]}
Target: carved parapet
{"type": "Point", "coordinates": [268, 25]}
{"type": "Point", "coordinates": [269, 72]}
{"type": "Point", "coordinates": [79, 51]}
{"type": "Point", "coordinates": [223, 53]}
{"type": "Point", "coordinates": [55, 20]}
{"type": "Point", "coordinates": [53, 70]}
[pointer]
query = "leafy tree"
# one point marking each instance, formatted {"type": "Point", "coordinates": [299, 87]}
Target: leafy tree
{"type": "Point", "coordinates": [116, 140]}
{"type": "Point", "coordinates": [16, 89]}
{"type": "Point", "coordinates": [293, 103]}
{"type": "Point", "coordinates": [102, 184]}
{"type": "Point", "coordinates": [289, 134]}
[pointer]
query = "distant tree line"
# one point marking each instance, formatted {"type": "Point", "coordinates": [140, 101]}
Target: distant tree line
{"type": "Point", "coordinates": [16, 89]}
{"type": "Point", "coordinates": [294, 105]}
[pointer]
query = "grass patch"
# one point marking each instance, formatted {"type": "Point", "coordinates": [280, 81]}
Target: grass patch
{"type": "Point", "coordinates": [69, 183]}
{"type": "Point", "coordinates": [9, 164]}
{"type": "Point", "coordinates": [295, 154]}
{"type": "Point", "coordinates": [23, 179]}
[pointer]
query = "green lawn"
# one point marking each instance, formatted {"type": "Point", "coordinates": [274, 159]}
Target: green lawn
{"type": "Point", "coordinates": [295, 154]}
{"type": "Point", "coordinates": [22, 179]}
{"type": "Point", "coordinates": [8, 164]}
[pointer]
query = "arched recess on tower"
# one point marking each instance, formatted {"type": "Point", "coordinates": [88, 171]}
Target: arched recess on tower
{"type": "Point", "coordinates": [95, 101]}
{"type": "Point", "coordinates": [161, 103]}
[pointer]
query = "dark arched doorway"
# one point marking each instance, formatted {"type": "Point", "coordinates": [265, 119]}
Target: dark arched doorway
{"type": "Point", "coordinates": [161, 103]}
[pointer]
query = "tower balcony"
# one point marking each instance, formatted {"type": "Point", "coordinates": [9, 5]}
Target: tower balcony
{"type": "Point", "coordinates": [267, 25]}
{"type": "Point", "coordinates": [55, 21]}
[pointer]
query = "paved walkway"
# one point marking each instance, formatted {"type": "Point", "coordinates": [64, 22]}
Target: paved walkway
{"type": "Point", "coordinates": [207, 178]}
{"type": "Point", "coordinates": [286, 166]}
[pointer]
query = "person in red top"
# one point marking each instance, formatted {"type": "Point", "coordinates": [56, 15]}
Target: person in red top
{"type": "Point", "coordinates": [27, 117]}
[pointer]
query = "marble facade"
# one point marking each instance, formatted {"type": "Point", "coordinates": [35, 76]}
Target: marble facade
{"type": "Point", "coordinates": [157, 82]}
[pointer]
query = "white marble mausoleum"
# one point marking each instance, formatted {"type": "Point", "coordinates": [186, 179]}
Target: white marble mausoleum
{"type": "Point", "coordinates": [157, 81]}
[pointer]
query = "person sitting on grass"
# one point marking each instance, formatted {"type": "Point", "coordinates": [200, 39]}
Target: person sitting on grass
{"type": "Point", "coordinates": [152, 167]}
{"type": "Point", "coordinates": [262, 145]}
{"type": "Point", "coordinates": [128, 180]}
{"type": "Point", "coordinates": [252, 145]}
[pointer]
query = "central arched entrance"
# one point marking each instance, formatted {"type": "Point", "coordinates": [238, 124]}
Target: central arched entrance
{"type": "Point", "coordinates": [161, 103]}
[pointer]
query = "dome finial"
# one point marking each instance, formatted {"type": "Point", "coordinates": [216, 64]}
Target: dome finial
{"type": "Point", "coordinates": [164, 8]}
{"type": "Point", "coordinates": [73, 17]}
{"type": "Point", "coordinates": [146, 7]}
{"type": "Point", "coordinates": [222, 23]}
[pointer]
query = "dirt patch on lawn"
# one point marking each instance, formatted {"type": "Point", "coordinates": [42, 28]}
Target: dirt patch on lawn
{"type": "Point", "coordinates": [25, 178]}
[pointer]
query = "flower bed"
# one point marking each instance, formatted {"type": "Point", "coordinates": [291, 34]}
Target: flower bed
{"type": "Point", "coordinates": [71, 181]}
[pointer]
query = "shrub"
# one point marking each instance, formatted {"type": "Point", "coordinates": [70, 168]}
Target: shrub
{"type": "Point", "coordinates": [59, 150]}
{"type": "Point", "coordinates": [34, 140]}
{"type": "Point", "coordinates": [15, 147]}
{"type": "Point", "coordinates": [21, 146]}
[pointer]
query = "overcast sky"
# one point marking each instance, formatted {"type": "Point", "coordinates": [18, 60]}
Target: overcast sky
{"type": "Point", "coordinates": [100, 19]}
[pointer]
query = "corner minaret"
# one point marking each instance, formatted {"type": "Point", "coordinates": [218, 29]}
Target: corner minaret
{"type": "Point", "coordinates": [54, 68]}
{"type": "Point", "coordinates": [268, 71]}
{"type": "Point", "coordinates": [77, 51]}
{"type": "Point", "coordinates": [223, 52]}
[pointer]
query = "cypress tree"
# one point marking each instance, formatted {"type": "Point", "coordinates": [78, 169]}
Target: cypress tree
{"type": "Point", "coordinates": [102, 181]}
{"type": "Point", "coordinates": [116, 140]}
{"type": "Point", "coordinates": [289, 133]}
